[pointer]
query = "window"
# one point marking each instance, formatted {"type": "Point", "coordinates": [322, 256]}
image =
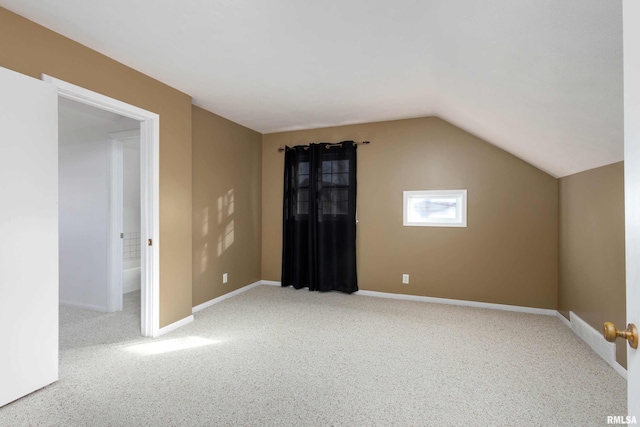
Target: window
{"type": "Point", "coordinates": [303, 189]}
{"type": "Point", "coordinates": [333, 188]}
{"type": "Point", "coordinates": [435, 208]}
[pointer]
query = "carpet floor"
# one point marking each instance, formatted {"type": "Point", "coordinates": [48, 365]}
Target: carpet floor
{"type": "Point", "coordinates": [278, 357]}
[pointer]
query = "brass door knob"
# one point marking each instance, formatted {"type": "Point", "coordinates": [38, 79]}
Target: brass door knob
{"type": "Point", "coordinates": [630, 334]}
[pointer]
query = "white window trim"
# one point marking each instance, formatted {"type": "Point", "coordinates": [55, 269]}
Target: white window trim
{"type": "Point", "coordinates": [460, 221]}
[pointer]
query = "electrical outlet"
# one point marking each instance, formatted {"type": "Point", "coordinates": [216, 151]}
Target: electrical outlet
{"type": "Point", "coordinates": [225, 278]}
{"type": "Point", "coordinates": [405, 279]}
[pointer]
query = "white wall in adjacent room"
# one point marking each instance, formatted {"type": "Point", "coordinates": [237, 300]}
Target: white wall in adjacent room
{"type": "Point", "coordinates": [131, 183]}
{"type": "Point", "coordinates": [83, 213]}
{"type": "Point", "coordinates": [131, 214]}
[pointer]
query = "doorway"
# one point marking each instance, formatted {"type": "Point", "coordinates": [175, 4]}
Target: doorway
{"type": "Point", "coordinates": [86, 199]}
{"type": "Point", "coordinates": [148, 123]}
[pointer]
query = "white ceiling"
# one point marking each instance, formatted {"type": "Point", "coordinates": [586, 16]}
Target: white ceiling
{"type": "Point", "coordinates": [541, 79]}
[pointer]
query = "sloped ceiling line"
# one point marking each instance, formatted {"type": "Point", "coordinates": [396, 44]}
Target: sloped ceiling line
{"type": "Point", "coordinates": [539, 79]}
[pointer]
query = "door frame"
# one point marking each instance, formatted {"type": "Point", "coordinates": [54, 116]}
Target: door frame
{"type": "Point", "coordinates": [115, 261]}
{"type": "Point", "coordinates": [631, 83]}
{"type": "Point", "coordinates": [149, 193]}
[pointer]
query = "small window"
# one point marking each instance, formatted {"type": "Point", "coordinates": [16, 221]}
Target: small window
{"type": "Point", "coordinates": [435, 208]}
{"type": "Point", "coordinates": [332, 183]}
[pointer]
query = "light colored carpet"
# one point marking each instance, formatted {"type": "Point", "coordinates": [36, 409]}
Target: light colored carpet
{"type": "Point", "coordinates": [279, 357]}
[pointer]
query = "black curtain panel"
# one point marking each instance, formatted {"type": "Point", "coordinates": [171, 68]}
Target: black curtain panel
{"type": "Point", "coordinates": [319, 217]}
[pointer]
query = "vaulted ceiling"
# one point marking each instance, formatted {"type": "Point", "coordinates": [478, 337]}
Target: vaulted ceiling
{"type": "Point", "coordinates": [541, 79]}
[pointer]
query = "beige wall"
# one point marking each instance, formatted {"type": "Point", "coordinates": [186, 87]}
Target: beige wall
{"type": "Point", "coordinates": [508, 254]}
{"type": "Point", "coordinates": [592, 253]}
{"type": "Point", "coordinates": [31, 49]}
{"type": "Point", "coordinates": [226, 205]}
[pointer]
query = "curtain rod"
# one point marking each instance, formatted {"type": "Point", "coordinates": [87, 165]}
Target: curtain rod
{"type": "Point", "coordinates": [281, 149]}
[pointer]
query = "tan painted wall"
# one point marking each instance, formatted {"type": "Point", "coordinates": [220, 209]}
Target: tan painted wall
{"type": "Point", "coordinates": [31, 49]}
{"type": "Point", "coordinates": [592, 253]}
{"type": "Point", "coordinates": [226, 205]}
{"type": "Point", "coordinates": [508, 254]}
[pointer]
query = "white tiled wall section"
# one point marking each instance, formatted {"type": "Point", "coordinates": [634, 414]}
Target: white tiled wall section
{"type": "Point", "coordinates": [131, 243]}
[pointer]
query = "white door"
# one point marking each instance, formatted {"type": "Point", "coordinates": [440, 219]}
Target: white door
{"type": "Point", "coordinates": [631, 42]}
{"type": "Point", "coordinates": [28, 235]}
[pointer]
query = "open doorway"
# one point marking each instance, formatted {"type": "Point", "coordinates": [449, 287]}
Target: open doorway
{"type": "Point", "coordinates": [89, 181]}
{"type": "Point", "coordinates": [112, 110]}
{"type": "Point", "coordinates": [99, 179]}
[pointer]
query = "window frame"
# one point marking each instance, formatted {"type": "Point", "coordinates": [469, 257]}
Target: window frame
{"type": "Point", "coordinates": [461, 208]}
{"type": "Point", "coordinates": [300, 188]}
{"type": "Point", "coordinates": [327, 188]}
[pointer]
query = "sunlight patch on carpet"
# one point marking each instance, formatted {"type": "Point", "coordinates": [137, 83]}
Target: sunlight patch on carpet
{"type": "Point", "coordinates": [170, 345]}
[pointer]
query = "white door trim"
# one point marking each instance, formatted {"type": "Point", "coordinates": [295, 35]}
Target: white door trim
{"type": "Point", "coordinates": [631, 65]}
{"type": "Point", "coordinates": [116, 218]}
{"type": "Point", "coordinates": [150, 192]}
{"type": "Point", "coordinates": [115, 226]}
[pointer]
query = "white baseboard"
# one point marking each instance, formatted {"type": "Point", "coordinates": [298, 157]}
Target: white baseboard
{"type": "Point", "coordinates": [464, 303]}
{"type": "Point", "coordinates": [564, 320]}
{"type": "Point", "coordinates": [174, 326]}
{"type": "Point", "coordinates": [84, 306]}
{"type": "Point", "coordinates": [271, 282]}
{"type": "Point", "coordinates": [594, 339]}
{"type": "Point", "coordinates": [132, 288]}
{"type": "Point", "coordinates": [620, 370]}
{"type": "Point", "coordinates": [225, 296]}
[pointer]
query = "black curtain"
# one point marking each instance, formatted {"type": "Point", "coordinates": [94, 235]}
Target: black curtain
{"type": "Point", "coordinates": [319, 217]}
